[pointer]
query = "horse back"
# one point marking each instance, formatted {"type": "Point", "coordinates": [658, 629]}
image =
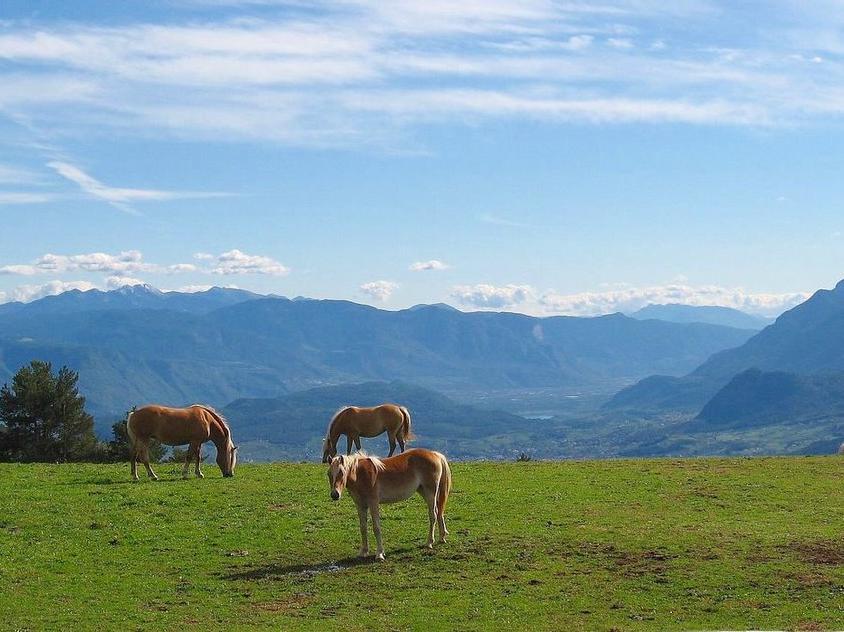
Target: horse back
{"type": "Point", "coordinates": [374, 420]}
{"type": "Point", "coordinates": [171, 426]}
{"type": "Point", "coordinates": [404, 473]}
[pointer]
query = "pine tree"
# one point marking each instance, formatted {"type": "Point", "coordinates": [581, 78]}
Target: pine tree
{"type": "Point", "coordinates": [43, 417]}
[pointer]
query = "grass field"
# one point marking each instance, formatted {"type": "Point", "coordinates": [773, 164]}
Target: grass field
{"type": "Point", "coordinates": [627, 545]}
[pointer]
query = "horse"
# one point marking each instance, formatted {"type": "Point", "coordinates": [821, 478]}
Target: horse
{"type": "Point", "coordinates": [193, 425]}
{"type": "Point", "coordinates": [372, 481]}
{"type": "Point", "coordinates": [355, 422]}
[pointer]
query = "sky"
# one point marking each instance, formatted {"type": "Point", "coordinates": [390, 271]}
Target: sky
{"type": "Point", "coordinates": [572, 157]}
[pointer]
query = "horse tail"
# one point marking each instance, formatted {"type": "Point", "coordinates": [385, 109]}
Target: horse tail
{"type": "Point", "coordinates": [406, 430]}
{"type": "Point", "coordinates": [129, 432]}
{"type": "Point", "coordinates": [445, 484]}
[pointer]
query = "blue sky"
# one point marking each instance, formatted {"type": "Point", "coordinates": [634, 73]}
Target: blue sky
{"type": "Point", "coordinates": [547, 157]}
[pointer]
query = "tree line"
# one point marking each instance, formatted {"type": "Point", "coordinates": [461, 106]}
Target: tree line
{"type": "Point", "coordinates": [43, 419]}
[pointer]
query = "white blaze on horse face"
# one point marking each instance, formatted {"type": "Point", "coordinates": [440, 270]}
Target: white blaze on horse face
{"type": "Point", "coordinates": [336, 477]}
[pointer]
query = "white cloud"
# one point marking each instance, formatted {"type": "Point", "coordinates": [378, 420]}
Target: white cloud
{"type": "Point", "coordinates": [630, 299]}
{"type": "Point", "coordinates": [620, 42]}
{"type": "Point", "coordinates": [238, 262]}
{"type": "Point", "coordinates": [119, 197]}
{"type": "Point", "coordinates": [27, 293]}
{"type": "Point", "coordinates": [10, 198]}
{"type": "Point", "coordinates": [17, 176]}
{"type": "Point", "coordinates": [490, 296]}
{"type": "Point", "coordinates": [123, 262]}
{"type": "Point", "coordinates": [379, 290]}
{"type": "Point", "coordinates": [115, 282]}
{"type": "Point", "coordinates": [21, 269]}
{"type": "Point", "coordinates": [353, 72]}
{"type": "Point", "coordinates": [433, 264]}
{"type": "Point", "coordinates": [203, 256]}
{"type": "Point", "coordinates": [178, 268]}
{"type": "Point", "coordinates": [126, 262]}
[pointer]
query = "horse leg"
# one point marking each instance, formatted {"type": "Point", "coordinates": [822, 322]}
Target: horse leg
{"type": "Point", "coordinates": [364, 537]}
{"type": "Point", "coordinates": [392, 437]}
{"type": "Point", "coordinates": [134, 457]}
{"type": "Point", "coordinates": [197, 453]}
{"type": "Point", "coordinates": [440, 499]}
{"type": "Point", "coordinates": [145, 456]}
{"type": "Point", "coordinates": [188, 459]}
{"type": "Point", "coordinates": [348, 445]}
{"type": "Point", "coordinates": [431, 500]}
{"type": "Point", "coordinates": [401, 442]}
{"type": "Point", "coordinates": [357, 443]}
{"type": "Point", "coordinates": [375, 510]}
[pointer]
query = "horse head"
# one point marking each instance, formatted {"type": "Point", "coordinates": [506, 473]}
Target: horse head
{"type": "Point", "coordinates": [227, 459]}
{"type": "Point", "coordinates": [338, 472]}
{"type": "Point", "coordinates": [329, 450]}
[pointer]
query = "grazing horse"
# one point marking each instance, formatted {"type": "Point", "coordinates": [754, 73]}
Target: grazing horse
{"type": "Point", "coordinates": [372, 481]}
{"type": "Point", "coordinates": [357, 422]}
{"type": "Point", "coordinates": [179, 426]}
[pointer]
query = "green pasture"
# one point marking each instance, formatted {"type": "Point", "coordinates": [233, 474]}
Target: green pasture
{"type": "Point", "coordinates": [593, 545]}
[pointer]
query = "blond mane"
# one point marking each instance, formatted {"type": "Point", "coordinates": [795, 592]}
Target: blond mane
{"type": "Point", "coordinates": [353, 459]}
{"type": "Point", "coordinates": [219, 417]}
{"type": "Point", "coordinates": [339, 412]}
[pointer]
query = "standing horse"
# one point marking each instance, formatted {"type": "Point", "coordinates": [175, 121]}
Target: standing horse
{"type": "Point", "coordinates": [372, 481]}
{"type": "Point", "coordinates": [179, 426]}
{"type": "Point", "coordinates": [357, 422]}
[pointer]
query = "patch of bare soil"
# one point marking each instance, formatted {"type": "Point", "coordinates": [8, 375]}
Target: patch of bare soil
{"type": "Point", "coordinates": [819, 551]}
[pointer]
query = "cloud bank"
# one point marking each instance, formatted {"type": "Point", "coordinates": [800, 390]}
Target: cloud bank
{"type": "Point", "coordinates": [358, 72]}
{"type": "Point", "coordinates": [626, 299]}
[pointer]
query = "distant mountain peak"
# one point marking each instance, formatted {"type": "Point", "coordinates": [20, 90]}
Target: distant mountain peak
{"type": "Point", "coordinates": [444, 306]}
{"type": "Point", "coordinates": [710, 314]}
{"type": "Point", "coordinates": [138, 289]}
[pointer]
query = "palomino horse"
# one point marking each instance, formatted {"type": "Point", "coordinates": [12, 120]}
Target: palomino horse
{"type": "Point", "coordinates": [372, 481]}
{"type": "Point", "coordinates": [179, 426]}
{"type": "Point", "coordinates": [357, 422]}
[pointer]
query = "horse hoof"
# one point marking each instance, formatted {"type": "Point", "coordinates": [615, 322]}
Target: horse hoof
{"type": "Point", "coordinates": [200, 475]}
{"type": "Point", "coordinates": [430, 546]}
{"type": "Point", "coordinates": [363, 553]}
{"type": "Point", "coordinates": [380, 557]}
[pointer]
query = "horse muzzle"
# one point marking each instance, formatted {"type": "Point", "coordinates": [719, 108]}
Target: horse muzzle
{"type": "Point", "coordinates": [335, 495]}
{"type": "Point", "coordinates": [229, 475]}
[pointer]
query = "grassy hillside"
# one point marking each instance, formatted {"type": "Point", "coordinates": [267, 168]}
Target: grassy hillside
{"type": "Point", "coordinates": [629, 545]}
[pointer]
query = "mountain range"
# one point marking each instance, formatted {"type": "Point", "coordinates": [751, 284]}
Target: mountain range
{"type": "Point", "coordinates": [786, 382]}
{"type": "Point", "coordinates": [136, 344]}
{"type": "Point", "coordinates": [711, 314]}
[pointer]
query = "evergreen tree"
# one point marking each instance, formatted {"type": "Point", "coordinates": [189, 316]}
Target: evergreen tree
{"type": "Point", "coordinates": [43, 417]}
